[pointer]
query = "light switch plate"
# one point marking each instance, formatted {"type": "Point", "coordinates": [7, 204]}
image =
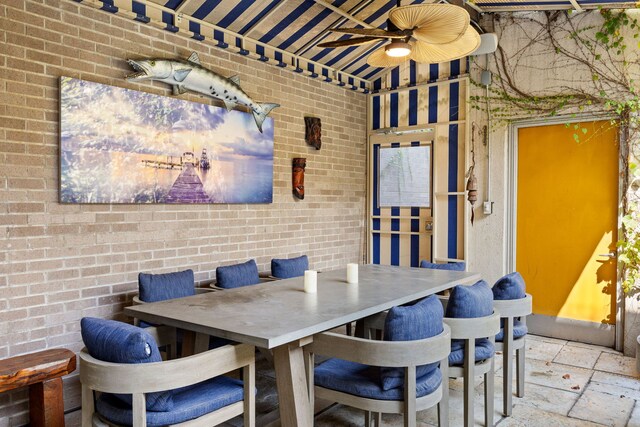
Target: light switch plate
{"type": "Point", "coordinates": [487, 208]}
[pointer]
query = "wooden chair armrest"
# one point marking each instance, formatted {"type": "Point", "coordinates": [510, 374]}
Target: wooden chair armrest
{"type": "Point", "coordinates": [384, 353]}
{"type": "Point", "coordinates": [514, 307]}
{"type": "Point", "coordinates": [137, 300]}
{"type": "Point", "coordinates": [475, 327]}
{"type": "Point", "coordinates": [151, 377]}
{"type": "Point", "coordinates": [203, 290]}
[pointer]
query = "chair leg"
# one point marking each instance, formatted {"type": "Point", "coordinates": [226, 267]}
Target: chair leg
{"type": "Point", "coordinates": [520, 373]}
{"type": "Point", "coordinates": [87, 406]}
{"type": "Point", "coordinates": [249, 380]}
{"type": "Point", "coordinates": [443, 405]}
{"type": "Point", "coordinates": [469, 364]}
{"type": "Point", "coordinates": [489, 378]}
{"type": "Point", "coordinates": [377, 416]}
{"type": "Point", "coordinates": [507, 367]}
{"type": "Point", "coordinates": [372, 419]}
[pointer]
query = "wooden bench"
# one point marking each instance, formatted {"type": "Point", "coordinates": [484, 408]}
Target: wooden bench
{"type": "Point", "coordinates": [42, 372]}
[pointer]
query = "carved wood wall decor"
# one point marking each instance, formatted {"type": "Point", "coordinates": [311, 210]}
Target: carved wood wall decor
{"type": "Point", "coordinates": [299, 164]}
{"type": "Point", "coordinates": [313, 132]}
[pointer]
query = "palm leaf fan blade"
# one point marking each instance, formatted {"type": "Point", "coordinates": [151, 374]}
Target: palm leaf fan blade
{"type": "Point", "coordinates": [379, 58]}
{"type": "Point", "coordinates": [356, 41]}
{"type": "Point", "coordinates": [426, 53]}
{"type": "Point", "coordinates": [432, 23]}
{"type": "Point", "coordinates": [371, 32]}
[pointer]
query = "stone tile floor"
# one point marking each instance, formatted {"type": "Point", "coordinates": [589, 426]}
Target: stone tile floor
{"type": "Point", "coordinates": [567, 384]}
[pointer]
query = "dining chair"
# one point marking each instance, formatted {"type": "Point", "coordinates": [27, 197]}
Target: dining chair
{"type": "Point", "coordinates": [453, 266]}
{"type": "Point", "coordinates": [162, 287]}
{"type": "Point", "coordinates": [126, 383]}
{"type": "Point", "coordinates": [401, 374]}
{"type": "Point", "coordinates": [237, 275]}
{"type": "Point", "coordinates": [514, 304]}
{"type": "Point", "coordinates": [474, 323]}
{"type": "Point", "coordinates": [285, 268]}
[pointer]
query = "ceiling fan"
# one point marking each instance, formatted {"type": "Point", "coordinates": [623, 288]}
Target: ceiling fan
{"type": "Point", "coordinates": [426, 33]}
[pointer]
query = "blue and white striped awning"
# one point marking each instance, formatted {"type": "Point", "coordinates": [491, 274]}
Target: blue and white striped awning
{"type": "Point", "coordinates": [287, 32]}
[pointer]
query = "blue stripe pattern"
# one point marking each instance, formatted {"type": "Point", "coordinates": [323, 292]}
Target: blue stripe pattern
{"type": "Point", "coordinates": [376, 149]}
{"type": "Point", "coordinates": [413, 120]}
{"type": "Point", "coordinates": [205, 9]}
{"type": "Point", "coordinates": [308, 26]}
{"type": "Point", "coordinates": [259, 16]}
{"type": "Point", "coordinates": [395, 211]}
{"type": "Point", "coordinates": [234, 13]}
{"type": "Point", "coordinates": [140, 9]}
{"type": "Point", "coordinates": [288, 20]}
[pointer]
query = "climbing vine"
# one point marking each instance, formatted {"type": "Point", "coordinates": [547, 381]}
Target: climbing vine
{"type": "Point", "coordinates": [587, 62]}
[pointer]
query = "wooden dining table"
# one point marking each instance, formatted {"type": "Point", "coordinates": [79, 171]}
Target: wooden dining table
{"type": "Point", "coordinates": [280, 316]}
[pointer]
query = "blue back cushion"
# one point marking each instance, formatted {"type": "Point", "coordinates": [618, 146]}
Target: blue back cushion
{"type": "Point", "coordinates": [292, 267]}
{"type": "Point", "coordinates": [407, 323]}
{"type": "Point", "coordinates": [510, 286]}
{"type": "Point", "coordinates": [453, 266]}
{"type": "Point", "coordinates": [470, 301]}
{"type": "Point", "coordinates": [160, 287]}
{"type": "Point", "coordinates": [234, 276]}
{"type": "Point", "coordinates": [118, 342]}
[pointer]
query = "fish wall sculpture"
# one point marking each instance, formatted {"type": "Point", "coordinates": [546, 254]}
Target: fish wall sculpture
{"type": "Point", "coordinates": [190, 75]}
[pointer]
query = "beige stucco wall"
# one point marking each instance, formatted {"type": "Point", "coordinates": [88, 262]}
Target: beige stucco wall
{"type": "Point", "coordinates": [541, 71]}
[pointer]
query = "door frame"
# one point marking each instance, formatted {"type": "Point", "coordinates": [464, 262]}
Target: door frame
{"type": "Point", "coordinates": [576, 329]}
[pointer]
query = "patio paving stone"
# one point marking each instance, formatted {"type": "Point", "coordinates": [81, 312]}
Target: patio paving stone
{"type": "Point", "coordinates": [616, 363]}
{"type": "Point", "coordinates": [555, 375]}
{"type": "Point", "coordinates": [603, 408]}
{"type": "Point", "coordinates": [541, 349]}
{"type": "Point", "coordinates": [528, 416]}
{"type": "Point", "coordinates": [578, 356]}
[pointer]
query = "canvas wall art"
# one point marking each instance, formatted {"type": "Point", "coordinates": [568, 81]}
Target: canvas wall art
{"type": "Point", "coordinates": [124, 146]}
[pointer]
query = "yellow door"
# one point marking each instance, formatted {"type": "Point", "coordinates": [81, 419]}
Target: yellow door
{"type": "Point", "coordinates": [567, 216]}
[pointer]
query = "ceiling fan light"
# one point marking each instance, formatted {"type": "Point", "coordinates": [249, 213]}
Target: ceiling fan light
{"type": "Point", "coordinates": [398, 49]}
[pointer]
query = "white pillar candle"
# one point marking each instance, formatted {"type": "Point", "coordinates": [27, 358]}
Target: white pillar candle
{"type": "Point", "coordinates": [310, 281]}
{"type": "Point", "coordinates": [352, 273]}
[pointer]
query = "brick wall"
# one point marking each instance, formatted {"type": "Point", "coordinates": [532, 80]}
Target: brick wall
{"type": "Point", "coordinates": [62, 262]}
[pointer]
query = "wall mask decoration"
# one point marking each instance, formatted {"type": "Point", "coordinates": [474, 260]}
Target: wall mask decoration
{"type": "Point", "coordinates": [313, 132]}
{"type": "Point", "coordinates": [124, 146]}
{"type": "Point", "coordinates": [191, 75]}
{"type": "Point", "coordinates": [299, 165]}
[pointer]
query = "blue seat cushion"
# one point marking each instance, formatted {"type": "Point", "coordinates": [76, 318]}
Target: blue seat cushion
{"type": "Point", "coordinates": [234, 276]}
{"type": "Point", "coordinates": [484, 350]}
{"type": "Point", "coordinates": [509, 287]}
{"type": "Point", "coordinates": [287, 268]}
{"type": "Point", "coordinates": [118, 342]}
{"type": "Point", "coordinates": [420, 320]}
{"type": "Point", "coordinates": [160, 287]}
{"type": "Point", "coordinates": [519, 330]}
{"type": "Point", "coordinates": [470, 301]}
{"type": "Point", "coordinates": [364, 380]}
{"type": "Point", "coordinates": [453, 266]}
{"type": "Point", "coordinates": [188, 403]}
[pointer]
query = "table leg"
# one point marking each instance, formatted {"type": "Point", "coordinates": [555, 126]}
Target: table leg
{"type": "Point", "coordinates": [188, 343]}
{"type": "Point", "coordinates": [293, 391]}
{"type": "Point", "coordinates": [46, 407]}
